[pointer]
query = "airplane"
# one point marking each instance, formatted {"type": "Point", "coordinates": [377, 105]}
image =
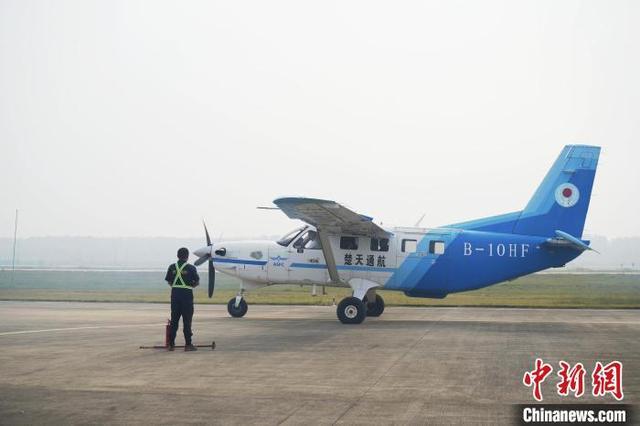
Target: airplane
{"type": "Point", "coordinates": [342, 248]}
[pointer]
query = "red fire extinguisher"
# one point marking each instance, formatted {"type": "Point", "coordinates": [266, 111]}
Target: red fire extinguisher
{"type": "Point", "coordinates": [167, 334]}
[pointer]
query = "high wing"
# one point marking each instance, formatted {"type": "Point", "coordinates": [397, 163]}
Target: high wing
{"type": "Point", "coordinates": [330, 216]}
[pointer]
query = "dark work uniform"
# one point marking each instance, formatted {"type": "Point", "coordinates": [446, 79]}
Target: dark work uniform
{"type": "Point", "coordinates": [181, 298]}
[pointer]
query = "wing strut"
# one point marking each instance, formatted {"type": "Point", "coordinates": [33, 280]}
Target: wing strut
{"type": "Point", "coordinates": [329, 259]}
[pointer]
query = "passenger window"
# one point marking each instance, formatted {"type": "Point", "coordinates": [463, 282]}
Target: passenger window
{"type": "Point", "coordinates": [379, 244]}
{"type": "Point", "coordinates": [349, 243]}
{"type": "Point", "coordinates": [436, 247]}
{"type": "Point", "coordinates": [409, 246]}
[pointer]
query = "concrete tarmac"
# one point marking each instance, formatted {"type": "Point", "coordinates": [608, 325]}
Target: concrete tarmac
{"type": "Point", "coordinates": [80, 363]}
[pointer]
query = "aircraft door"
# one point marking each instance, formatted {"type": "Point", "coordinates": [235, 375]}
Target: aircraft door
{"type": "Point", "coordinates": [305, 260]}
{"type": "Point", "coordinates": [408, 257]}
{"type": "Point", "coordinates": [279, 260]}
{"type": "Point", "coordinates": [435, 246]}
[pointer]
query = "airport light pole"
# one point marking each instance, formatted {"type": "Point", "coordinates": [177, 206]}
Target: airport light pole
{"type": "Point", "coordinates": [13, 259]}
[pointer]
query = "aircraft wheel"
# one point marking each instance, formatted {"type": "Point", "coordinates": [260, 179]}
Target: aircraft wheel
{"type": "Point", "coordinates": [237, 312]}
{"type": "Point", "coordinates": [377, 308]}
{"type": "Point", "coordinates": [351, 310]}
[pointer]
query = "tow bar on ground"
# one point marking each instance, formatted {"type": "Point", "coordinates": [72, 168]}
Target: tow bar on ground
{"type": "Point", "coordinates": [167, 336]}
{"type": "Point", "coordinates": [212, 346]}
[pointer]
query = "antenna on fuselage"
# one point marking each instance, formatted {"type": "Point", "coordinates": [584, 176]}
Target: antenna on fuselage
{"type": "Point", "coordinates": [419, 220]}
{"type": "Point", "coordinates": [267, 208]}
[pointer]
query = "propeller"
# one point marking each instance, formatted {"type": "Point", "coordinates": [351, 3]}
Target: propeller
{"type": "Point", "coordinates": [212, 278]}
{"type": "Point", "coordinates": [207, 256]}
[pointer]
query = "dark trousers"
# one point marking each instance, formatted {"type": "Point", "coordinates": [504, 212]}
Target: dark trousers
{"type": "Point", "coordinates": [181, 306]}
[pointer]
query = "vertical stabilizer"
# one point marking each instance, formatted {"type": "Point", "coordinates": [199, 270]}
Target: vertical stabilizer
{"type": "Point", "coordinates": [562, 200]}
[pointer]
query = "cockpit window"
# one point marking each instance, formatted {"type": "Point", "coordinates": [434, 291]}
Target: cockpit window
{"type": "Point", "coordinates": [314, 242]}
{"type": "Point", "coordinates": [286, 240]}
{"type": "Point", "coordinates": [308, 240]}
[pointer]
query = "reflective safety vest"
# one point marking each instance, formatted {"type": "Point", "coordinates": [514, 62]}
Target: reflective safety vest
{"type": "Point", "coordinates": [178, 281]}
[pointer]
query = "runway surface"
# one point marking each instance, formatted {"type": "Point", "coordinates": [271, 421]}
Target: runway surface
{"type": "Point", "coordinates": [80, 363]}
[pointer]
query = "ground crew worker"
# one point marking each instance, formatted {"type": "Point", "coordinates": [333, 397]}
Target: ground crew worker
{"type": "Point", "coordinates": [182, 278]}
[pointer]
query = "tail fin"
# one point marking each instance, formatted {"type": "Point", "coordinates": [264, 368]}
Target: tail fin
{"type": "Point", "coordinates": [560, 202]}
{"type": "Point", "coordinates": [562, 199]}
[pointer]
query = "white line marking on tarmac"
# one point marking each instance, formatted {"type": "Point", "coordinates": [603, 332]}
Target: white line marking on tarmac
{"type": "Point", "coordinates": [92, 327]}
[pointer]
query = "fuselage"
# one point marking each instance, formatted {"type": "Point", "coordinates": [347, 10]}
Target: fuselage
{"type": "Point", "coordinates": [420, 262]}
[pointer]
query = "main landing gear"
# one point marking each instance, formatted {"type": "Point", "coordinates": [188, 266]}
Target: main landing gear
{"type": "Point", "coordinates": [237, 306]}
{"type": "Point", "coordinates": [352, 310]}
{"type": "Point", "coordinates": [364, 302]}
{"type": "Point", "coordinates": [375, 308]}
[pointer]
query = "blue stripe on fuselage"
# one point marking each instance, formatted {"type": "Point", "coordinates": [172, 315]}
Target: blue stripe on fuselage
{"type": "Point", "coordinates": [240, 261]}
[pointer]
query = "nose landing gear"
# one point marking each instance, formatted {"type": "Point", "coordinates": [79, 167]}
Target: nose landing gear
{"type": "Point", "coordinates": [237, 307]}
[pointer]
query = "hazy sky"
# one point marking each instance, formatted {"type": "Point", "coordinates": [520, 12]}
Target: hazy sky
{"type": "Point", "coordinates": [125, 118]}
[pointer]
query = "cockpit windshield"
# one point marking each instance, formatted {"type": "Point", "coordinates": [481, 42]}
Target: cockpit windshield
{"type": "Point", "coordinates": [286, 240]}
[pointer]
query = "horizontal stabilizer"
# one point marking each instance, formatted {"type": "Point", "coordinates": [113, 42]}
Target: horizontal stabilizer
{"type": "Point", "coordinates": [565, 239]}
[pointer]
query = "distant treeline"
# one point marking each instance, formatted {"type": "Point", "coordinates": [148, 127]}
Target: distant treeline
{"type": "Point", "coordinates": [91, 252]}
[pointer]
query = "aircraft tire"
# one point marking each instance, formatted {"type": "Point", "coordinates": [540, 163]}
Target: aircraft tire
{"type": "Point", "coordinates": [238, 312]}
{"type": "Point", "coordinates": [351, 310]}
{"type": "Point", "coordinates": [377, 308]}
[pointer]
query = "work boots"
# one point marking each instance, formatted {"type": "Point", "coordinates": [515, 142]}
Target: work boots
{"type": "Point", "coordinates": [190, 348]}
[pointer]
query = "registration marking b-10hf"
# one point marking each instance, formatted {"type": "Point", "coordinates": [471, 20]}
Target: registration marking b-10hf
{"type": "Point", "coordinates": [500, 249]}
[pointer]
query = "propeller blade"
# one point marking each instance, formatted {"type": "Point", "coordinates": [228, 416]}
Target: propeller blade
{"type": "Point", "coordinates": [202, 259]}
{"type": "Point", "coordinates": [206, 232]}
{"type": "Point", "coordinates": [212, 278]}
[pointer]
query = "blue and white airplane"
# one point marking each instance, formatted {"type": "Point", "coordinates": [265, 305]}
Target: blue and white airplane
{"type": "Point", "coordinates": [339, 247]}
